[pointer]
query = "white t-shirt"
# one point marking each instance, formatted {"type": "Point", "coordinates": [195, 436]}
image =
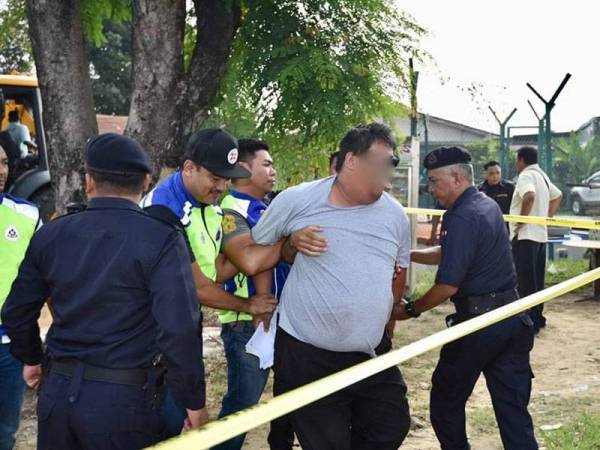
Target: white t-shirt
{"type": "Point", "coordinates": [533, 179]}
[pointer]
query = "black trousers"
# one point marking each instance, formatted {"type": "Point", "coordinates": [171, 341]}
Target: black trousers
{"type": "Point", "coordinates": [372, 414]}
{"type": "Point", "coordinates": [75, 414]}
{"type": "Point", "coordinates": [530, 263]}
{"type": "Point", "coordinates": [501, 353]}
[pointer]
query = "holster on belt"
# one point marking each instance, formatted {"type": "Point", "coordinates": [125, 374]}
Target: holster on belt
{"type": "Point", "coordinates": [157, 381]}
{"type": "Point", "coordinates": [476, 305]}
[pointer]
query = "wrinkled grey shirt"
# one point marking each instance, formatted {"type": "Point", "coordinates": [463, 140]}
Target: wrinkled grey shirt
{"type": "Point", "coordinates": [341, 300]}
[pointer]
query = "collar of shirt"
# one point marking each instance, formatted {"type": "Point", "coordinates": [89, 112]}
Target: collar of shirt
{"type": "Point", "coordinates": [500, 185]}
{"type": "Point", "coordinates": [181, 192]}
{"type": "Point", "coordinates": [469, 193]}
{"type": "Point", "coordinates": [112, 203]}
{"type": "Point", "coordinates": [243, 196]}
{"type": "Point", "coordinates": [255, 208]}
{"type": "Point", "coordinates": [535, 167]}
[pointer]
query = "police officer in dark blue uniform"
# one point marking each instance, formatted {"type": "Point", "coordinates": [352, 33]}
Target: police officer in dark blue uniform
{"type": "Point", "coordinates": [477, 273]}
{"type": "Point", "coordinates": [123, 299]}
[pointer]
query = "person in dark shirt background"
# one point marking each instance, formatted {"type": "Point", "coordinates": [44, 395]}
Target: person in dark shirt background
{"type": "Point", "coordinates": [497, 188]}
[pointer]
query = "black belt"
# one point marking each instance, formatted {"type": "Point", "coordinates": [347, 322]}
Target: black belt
{"type": "Point", "coordinates": [131, 377]}
{"type": "Point", "coordinates": [475, 305]}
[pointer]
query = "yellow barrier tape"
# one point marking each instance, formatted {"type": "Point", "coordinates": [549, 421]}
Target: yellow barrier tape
{"type": "Point", "coordinates": [586, 224]}
{"type": "Point", "coordinates": [235, 424]}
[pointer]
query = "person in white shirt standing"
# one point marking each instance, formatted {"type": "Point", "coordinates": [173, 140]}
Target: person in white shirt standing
{"type": "Point", "coordinates": [535, 195]}
{"type": "Point", "coordinates": [20, 134]}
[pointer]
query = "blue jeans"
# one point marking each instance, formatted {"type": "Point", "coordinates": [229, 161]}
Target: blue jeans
{"type": "Point", "coordinates": [245, 379]}
{"type": "Point", "coordinates": [12, 388]}
{"type": "Point", "coordinates": [172, 414]}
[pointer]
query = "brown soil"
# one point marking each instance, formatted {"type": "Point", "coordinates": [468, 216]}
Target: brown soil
{"type": "Point", "coordinates": [566, 362]}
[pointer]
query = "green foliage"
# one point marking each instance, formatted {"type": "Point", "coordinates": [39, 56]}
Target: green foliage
{"type": "Point", "coordinates": [574, 162]}
{"type": "Point", "coordinates": [15, 47]}
{"type": "Point", "coordinates": [482, 152]}
{"type": "Point", "coordinates": [565, 269]}
{"type": "Point", "coordinates": [582, 434]}
{"type": "Point", "coordinates": [110, 69]}
{"type": "Point", "coordinates": [94, 12]}
{"type": "Point", "coordinates": [303, 72]}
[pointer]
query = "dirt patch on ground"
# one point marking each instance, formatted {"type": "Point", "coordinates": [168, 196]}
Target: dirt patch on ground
{"type": "Point", "coordinates": [565, 359]}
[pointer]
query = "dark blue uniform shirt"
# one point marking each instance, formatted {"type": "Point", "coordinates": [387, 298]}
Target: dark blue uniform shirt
{"type": "Point", "coordinates": [121, 291]}
{"type": "Point", "coordinates": [501, 193]}
{"type": "Point", "coordinates": [476, 251]}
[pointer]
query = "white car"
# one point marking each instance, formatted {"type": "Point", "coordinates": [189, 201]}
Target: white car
{"type": "Point", "coordinates": [584, 198]}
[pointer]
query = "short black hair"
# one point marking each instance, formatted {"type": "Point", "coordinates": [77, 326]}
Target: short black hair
{"type": "Point", "coordinates": [13, 116]}
{"type": "Point", "coordinates": [528, 154]}
{"type": "Point", "coordinates": [359, 139]}
{"type": "Point", "coordinates": [489, 164]}
{"type": "Point", "coordinates": [247, 148]}
{"type": "Point", "coordinates": [333, 157]}
{"type": "Point", "coordinates": [121, 183]}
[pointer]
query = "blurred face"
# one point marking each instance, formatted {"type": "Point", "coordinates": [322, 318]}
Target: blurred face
{"type": "Point", "coordinates": [443, 186]}
{"type": "Point", "coordinates": [3, 169]}
{"type": "Point", "coordinates": [264, 175]}
{"type": "Point", "coordinates": [202, 184]}
{"type": "Point", "coordinates": [493, 175]}
{"type": "Point", "coordinates": [373, 170]}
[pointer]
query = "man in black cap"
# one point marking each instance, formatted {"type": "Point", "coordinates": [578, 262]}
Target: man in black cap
{"type": "Point", "coordinates": [187, 199]}
{"type": "Point", "coordinates": [122, 296]}
{"type": "Point", "coordinates": [477, 273]}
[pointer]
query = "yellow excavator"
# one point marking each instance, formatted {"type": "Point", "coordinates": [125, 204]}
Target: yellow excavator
{"type": "Point", "coordinates": [29, 176]}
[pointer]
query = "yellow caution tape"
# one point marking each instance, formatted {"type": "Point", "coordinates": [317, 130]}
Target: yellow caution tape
{"type": "Point", "coordinates": [235, 424]}
{"type": "Point", "coordinates": [585, 224]}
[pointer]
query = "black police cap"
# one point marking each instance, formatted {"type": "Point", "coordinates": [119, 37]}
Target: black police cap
{"type": "Point", "coordinates": [217, 151]}
{"type": "Point", "coordinates": [116, 154]}
{"type": "Point", "coordinates": [446, 156]}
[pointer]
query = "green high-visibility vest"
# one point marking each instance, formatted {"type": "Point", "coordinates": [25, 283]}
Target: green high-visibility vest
{"type": "Point", "coordinates": [241, 280]}
{"type": "Point", "coordinates": [205, 236]}
{"type": "Point", "coordinates": [18, 222]}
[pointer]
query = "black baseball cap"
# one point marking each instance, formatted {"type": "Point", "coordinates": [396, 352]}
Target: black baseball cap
{"type": "Point", "coordinates": [446, 156]}
{"type": "Point", "coordinates": [217, 151]}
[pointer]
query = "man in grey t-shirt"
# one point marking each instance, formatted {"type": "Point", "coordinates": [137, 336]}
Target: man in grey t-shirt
{"type": "Point", "coordinates": [334, 308]}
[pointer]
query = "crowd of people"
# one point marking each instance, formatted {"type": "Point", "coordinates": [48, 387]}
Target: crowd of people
{"type": "Point", "coordinates": [316, 273]}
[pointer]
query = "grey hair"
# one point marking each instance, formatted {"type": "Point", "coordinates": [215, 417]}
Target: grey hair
{"type": "Point", "coordinates": [464, 170]}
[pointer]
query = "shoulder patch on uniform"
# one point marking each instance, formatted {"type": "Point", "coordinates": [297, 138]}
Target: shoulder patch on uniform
{"type": "Point", "coordinates": [229, 225]}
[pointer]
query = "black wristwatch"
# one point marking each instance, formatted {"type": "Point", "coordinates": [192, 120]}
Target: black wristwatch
{"type": "Point", "coordinates": [409, 307]}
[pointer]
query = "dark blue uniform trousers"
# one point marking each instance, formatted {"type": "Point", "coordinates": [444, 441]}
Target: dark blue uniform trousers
{"type": "Point", "coordinates": [78, 414]}
{"type": "Point", "coordinates": [501, 352]}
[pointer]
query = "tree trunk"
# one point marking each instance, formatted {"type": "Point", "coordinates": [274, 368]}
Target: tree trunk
{"type": "Point", "coordinates": [168, 103]}
{"type": "Point", "coordinates": [56, 33]}
{"type": "Point", "coordinates": [158, 27]}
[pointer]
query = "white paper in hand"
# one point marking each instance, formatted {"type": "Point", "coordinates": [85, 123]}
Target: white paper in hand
{"type": "Point", "coordinates": [262, 343]}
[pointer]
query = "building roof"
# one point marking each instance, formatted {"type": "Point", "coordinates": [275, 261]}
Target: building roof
{"type": "Point", "coordinates": [111, 124]}
{"type": "Point", "coordinates": [460, 126]}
